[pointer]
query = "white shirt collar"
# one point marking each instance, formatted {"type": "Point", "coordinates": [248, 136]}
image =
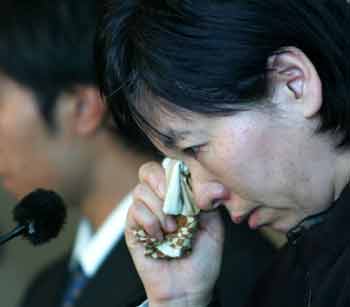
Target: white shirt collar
{"type": "Point", "coordinates": [90, 250]}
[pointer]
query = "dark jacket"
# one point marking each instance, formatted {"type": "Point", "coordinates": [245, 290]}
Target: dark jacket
{"type": "Point", "coordinates": [313, 269]}
{"type": "Point", "coordinates": [116, 283]}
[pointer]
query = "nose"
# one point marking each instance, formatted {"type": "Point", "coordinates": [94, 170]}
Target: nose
{"type": "Point", "coordinates": [208, 193]}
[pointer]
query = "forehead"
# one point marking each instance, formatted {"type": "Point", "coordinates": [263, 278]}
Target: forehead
{"type": "Point", "coordinates": [166, 123]}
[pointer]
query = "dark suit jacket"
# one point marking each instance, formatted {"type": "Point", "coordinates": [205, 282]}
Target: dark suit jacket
{"type": "Point", "coordinates": [116, 283]}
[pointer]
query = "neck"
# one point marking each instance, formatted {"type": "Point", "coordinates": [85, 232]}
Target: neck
{"type": "Point", "coordinates": [115, 174]}
{"type": "Point", "coordinates": [342, 173]}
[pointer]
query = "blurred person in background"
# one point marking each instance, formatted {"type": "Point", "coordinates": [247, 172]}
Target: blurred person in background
{"type": "Point", "coordinates": [56, 134]}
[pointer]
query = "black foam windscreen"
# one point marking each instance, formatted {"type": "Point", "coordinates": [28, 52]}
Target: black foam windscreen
{"type": "Point", "coordinates": [43, 213]}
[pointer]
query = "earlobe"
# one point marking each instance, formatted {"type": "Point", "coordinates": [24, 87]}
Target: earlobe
{"type": "Point", "coordinates": [90, 110]}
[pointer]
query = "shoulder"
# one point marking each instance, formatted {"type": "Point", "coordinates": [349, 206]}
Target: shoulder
{"type": "Point", "coordinates": [46, 281]}
{"type": "Point", "coordinates": [48, 272]}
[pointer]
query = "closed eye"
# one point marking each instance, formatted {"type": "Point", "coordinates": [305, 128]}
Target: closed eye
{"type": "Point", "coordinates": [193, 151]}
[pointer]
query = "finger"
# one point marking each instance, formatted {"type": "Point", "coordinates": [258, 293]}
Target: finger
{"type": "Point", "coordinates": [143, 193]}
{"type": "Point", "coordinates": [140, 216]}
{"type": "Point", "coordinates": [137, 250]}
{"type": "Point", "coordinates": [153, 174]}
{"type": "Point", "coordinates": [143, 264]}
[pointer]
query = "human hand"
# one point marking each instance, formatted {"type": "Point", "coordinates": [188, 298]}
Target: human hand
{"type": "Point", "coordinates": [179, 282]}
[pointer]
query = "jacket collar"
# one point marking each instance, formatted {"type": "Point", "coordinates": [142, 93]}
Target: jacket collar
{"type": "Point", "coordinates": [323, 234]}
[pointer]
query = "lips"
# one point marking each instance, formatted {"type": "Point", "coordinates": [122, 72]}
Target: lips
{"type": "Point", "coordinates": [240, 217]}
{"type": "Point", "coordinates": [250, 216]}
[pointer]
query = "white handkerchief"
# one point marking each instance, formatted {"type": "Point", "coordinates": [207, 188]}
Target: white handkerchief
{"type": "Point", "coordinates": [179, 198]}
{"type": "Point", "coordinates": [178, 202]}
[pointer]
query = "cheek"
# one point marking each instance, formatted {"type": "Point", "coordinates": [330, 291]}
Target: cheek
{"type": "Point", "coordinates": [15, 140]}
{"type": "Point", "coordinates": [243, 161]}
{"type": "Point", "coordinates": [23, 151]}
{"type": "Point", "coordinates": [238, 156]}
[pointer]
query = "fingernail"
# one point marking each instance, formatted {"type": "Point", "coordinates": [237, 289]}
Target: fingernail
{"type": "Point", "coordinates": [170, 224]}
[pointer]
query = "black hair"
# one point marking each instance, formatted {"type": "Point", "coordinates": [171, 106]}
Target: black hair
{"type": "Point", "coordinates": [210, 56]}
{"type": "Point", "coordinates": [47, 46]}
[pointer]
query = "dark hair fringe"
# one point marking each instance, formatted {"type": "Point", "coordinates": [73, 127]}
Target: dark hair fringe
{"type": "Point", "coordinates": [47, 46]}
{"type": "Point", "coordinates": [210, 56]}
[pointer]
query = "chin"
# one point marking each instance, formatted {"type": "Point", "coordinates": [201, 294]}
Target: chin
{"type": "Point", "coordinates": [16, 193]}
{"type": "Point", "coordinates": [12, 192]}
{"type": "Point", "coordinates": [283, 227]}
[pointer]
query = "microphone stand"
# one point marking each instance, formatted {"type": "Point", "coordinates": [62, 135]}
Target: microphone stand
{"type": "Point", "coordinates": [19, 230]}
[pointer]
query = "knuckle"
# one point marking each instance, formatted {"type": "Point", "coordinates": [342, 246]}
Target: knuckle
{"type": "Point", "coordinates": [146, 169]}
{"type": "Point", "coordinates": [129, 215]}
{"type": "Point", "coordinates": [139, 191]}
{"type": "Point", "coordinates": [133, 211]}
{"type": "Point", "coordinates": [137, 208]}
{"type": "Point", "coordinates": [150, 172]}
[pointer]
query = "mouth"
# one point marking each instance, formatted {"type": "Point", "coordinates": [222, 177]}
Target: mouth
{"type": "Point", "coordinates": [6, 183]}
{"type": "Point", "coordinates": [251, 217]}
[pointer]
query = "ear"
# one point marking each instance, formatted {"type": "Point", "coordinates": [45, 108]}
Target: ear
{"type": "Point", "coordinates": [294, 74]}
{"type": "Point", "coordinates": [89, 110]}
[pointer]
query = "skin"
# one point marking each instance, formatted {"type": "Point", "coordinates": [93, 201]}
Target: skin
{"type": "Point", "coordinates": [81, 159]}
{"type": "Point", "coordinates": [266, 165]}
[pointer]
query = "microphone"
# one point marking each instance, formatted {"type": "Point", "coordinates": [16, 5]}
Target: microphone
{"type": "Point", "coordinates": [40, 216]}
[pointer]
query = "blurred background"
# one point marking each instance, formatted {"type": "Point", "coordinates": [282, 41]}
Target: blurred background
{"type": "Point", "coordinates": [19, 261]}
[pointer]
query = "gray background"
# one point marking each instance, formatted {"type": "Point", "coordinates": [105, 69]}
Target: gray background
{"type": "Point", "coordinates": [19, 261]}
